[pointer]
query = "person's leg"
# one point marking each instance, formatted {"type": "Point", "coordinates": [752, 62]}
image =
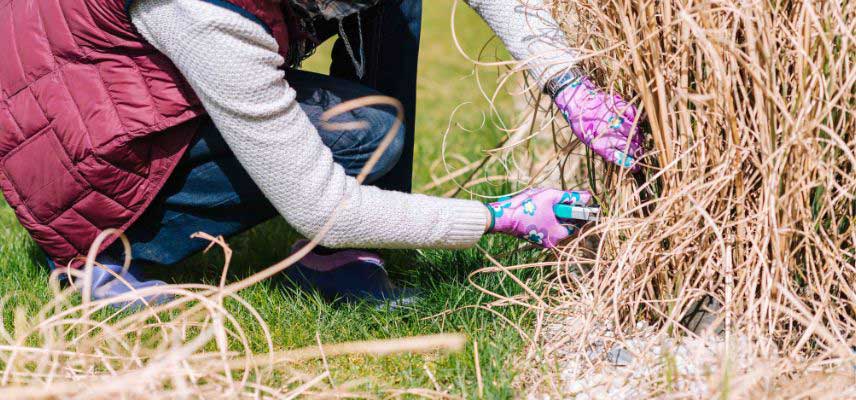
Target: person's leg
{"type": "Point", "coordinates": [389, 36]}
{"type": "Point", "coordinates": [211, 192]}
{"type": "Point", "coordinates": [351, 149]}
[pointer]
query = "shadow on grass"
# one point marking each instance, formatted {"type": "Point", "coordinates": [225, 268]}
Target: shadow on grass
{"type": "Point", "coordinates": [271, 242]}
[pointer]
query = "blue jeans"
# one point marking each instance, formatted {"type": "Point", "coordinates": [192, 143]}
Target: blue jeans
{"type": "Point", "coordinates": [210, 191]}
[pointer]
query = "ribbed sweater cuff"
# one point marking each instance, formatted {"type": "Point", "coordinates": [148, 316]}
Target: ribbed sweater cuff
{"type": "Point", "coordinates": [468, 224]}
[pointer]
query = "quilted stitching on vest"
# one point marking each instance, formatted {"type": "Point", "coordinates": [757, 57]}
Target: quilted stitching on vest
{"type": "Point", "coordinates": [92, 118]}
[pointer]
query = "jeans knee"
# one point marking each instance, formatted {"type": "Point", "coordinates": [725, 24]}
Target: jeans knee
{"type": "Point", "coordinates": [392, 154]}
{"type": "Point", "coordinates": [355, 148]}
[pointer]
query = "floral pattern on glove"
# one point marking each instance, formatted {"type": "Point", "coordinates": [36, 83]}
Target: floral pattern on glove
{"type": "Point", "coordinates": [529, 215]}
{"type": "Point", "coordinates": [534, 235]}
{"type": "Point", "coordinates": [602, 122]}
{"type": "Point", "coordinates": [498, 208]}
{"type": "Point", "coordinates": [529, 207]}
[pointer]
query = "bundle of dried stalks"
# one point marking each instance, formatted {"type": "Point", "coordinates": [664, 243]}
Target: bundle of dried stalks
{"type": "Point", "coordinates": [748, 197]}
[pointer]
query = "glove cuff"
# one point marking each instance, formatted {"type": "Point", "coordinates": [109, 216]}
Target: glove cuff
{"type": "Point", "coordinates": [492, 217]}
{"type": "Point", "coordinates": [556, 85]}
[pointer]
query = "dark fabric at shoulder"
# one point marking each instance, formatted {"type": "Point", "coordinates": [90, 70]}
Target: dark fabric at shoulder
{"type": "Point", "coordinates": [225, 4]}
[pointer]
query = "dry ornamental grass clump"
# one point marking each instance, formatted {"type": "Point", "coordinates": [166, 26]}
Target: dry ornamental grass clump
{"type": "Point", "coordinates": [748, 196]}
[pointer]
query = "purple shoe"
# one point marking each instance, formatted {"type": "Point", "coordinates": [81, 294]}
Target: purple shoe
{"type": "Point", "coordinates": [349, 275]}
{"type": "Point", "coordinates": [105, 286]}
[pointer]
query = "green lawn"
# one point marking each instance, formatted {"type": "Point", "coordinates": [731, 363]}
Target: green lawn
{"type": "Point", "coordinates": [446, 81]}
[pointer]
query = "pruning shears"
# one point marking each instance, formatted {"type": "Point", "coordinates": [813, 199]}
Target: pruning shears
{"type": "Point", "coordinates": [566, 211]}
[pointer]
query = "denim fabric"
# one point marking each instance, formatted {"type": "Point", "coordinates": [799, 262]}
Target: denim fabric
{"type": "Point", "coordinates": [211, 192]}
{"type": "Point", "coordinates": [390, 43]}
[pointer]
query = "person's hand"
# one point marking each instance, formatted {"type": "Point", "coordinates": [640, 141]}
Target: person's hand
{"type": "Point", "coordinates": [606, 124]}
{"type": "Point", "coordinates": [529, 215]}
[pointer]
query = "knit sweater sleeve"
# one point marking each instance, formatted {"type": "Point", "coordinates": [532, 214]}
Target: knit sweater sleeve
{"type": "Point", "coordinates": [531, 35]}
{"type": "Point", "coordinates": [233, 66]}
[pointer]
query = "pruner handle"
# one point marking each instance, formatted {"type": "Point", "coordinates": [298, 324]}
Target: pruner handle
{"type": "Point", "coordinates": [566, 211]}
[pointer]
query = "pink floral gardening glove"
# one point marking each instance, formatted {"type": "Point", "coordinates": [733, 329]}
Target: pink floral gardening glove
{"type": "Point", "coordinates": [529, 215]}
{"type": "Point", "coordinates": [603, 122]}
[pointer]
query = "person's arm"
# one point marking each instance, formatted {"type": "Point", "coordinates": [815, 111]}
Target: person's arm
{"type": "Point", "coordinates": [530, 34]}
{"type": "Point", "coordinates": [233, 66]}
{"type": "Point", "coordinates": [604, 122]}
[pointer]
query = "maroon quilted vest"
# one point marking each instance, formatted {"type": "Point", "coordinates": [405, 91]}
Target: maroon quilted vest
{"type": "Point", "coordinates": [92, 118]}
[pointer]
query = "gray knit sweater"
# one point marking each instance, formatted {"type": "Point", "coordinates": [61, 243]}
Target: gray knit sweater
{"type": "Point", "coordinates": [233, 66]}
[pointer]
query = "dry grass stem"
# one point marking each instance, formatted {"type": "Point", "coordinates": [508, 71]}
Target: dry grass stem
{"type": "Point", "coordinates": [747, 202]}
